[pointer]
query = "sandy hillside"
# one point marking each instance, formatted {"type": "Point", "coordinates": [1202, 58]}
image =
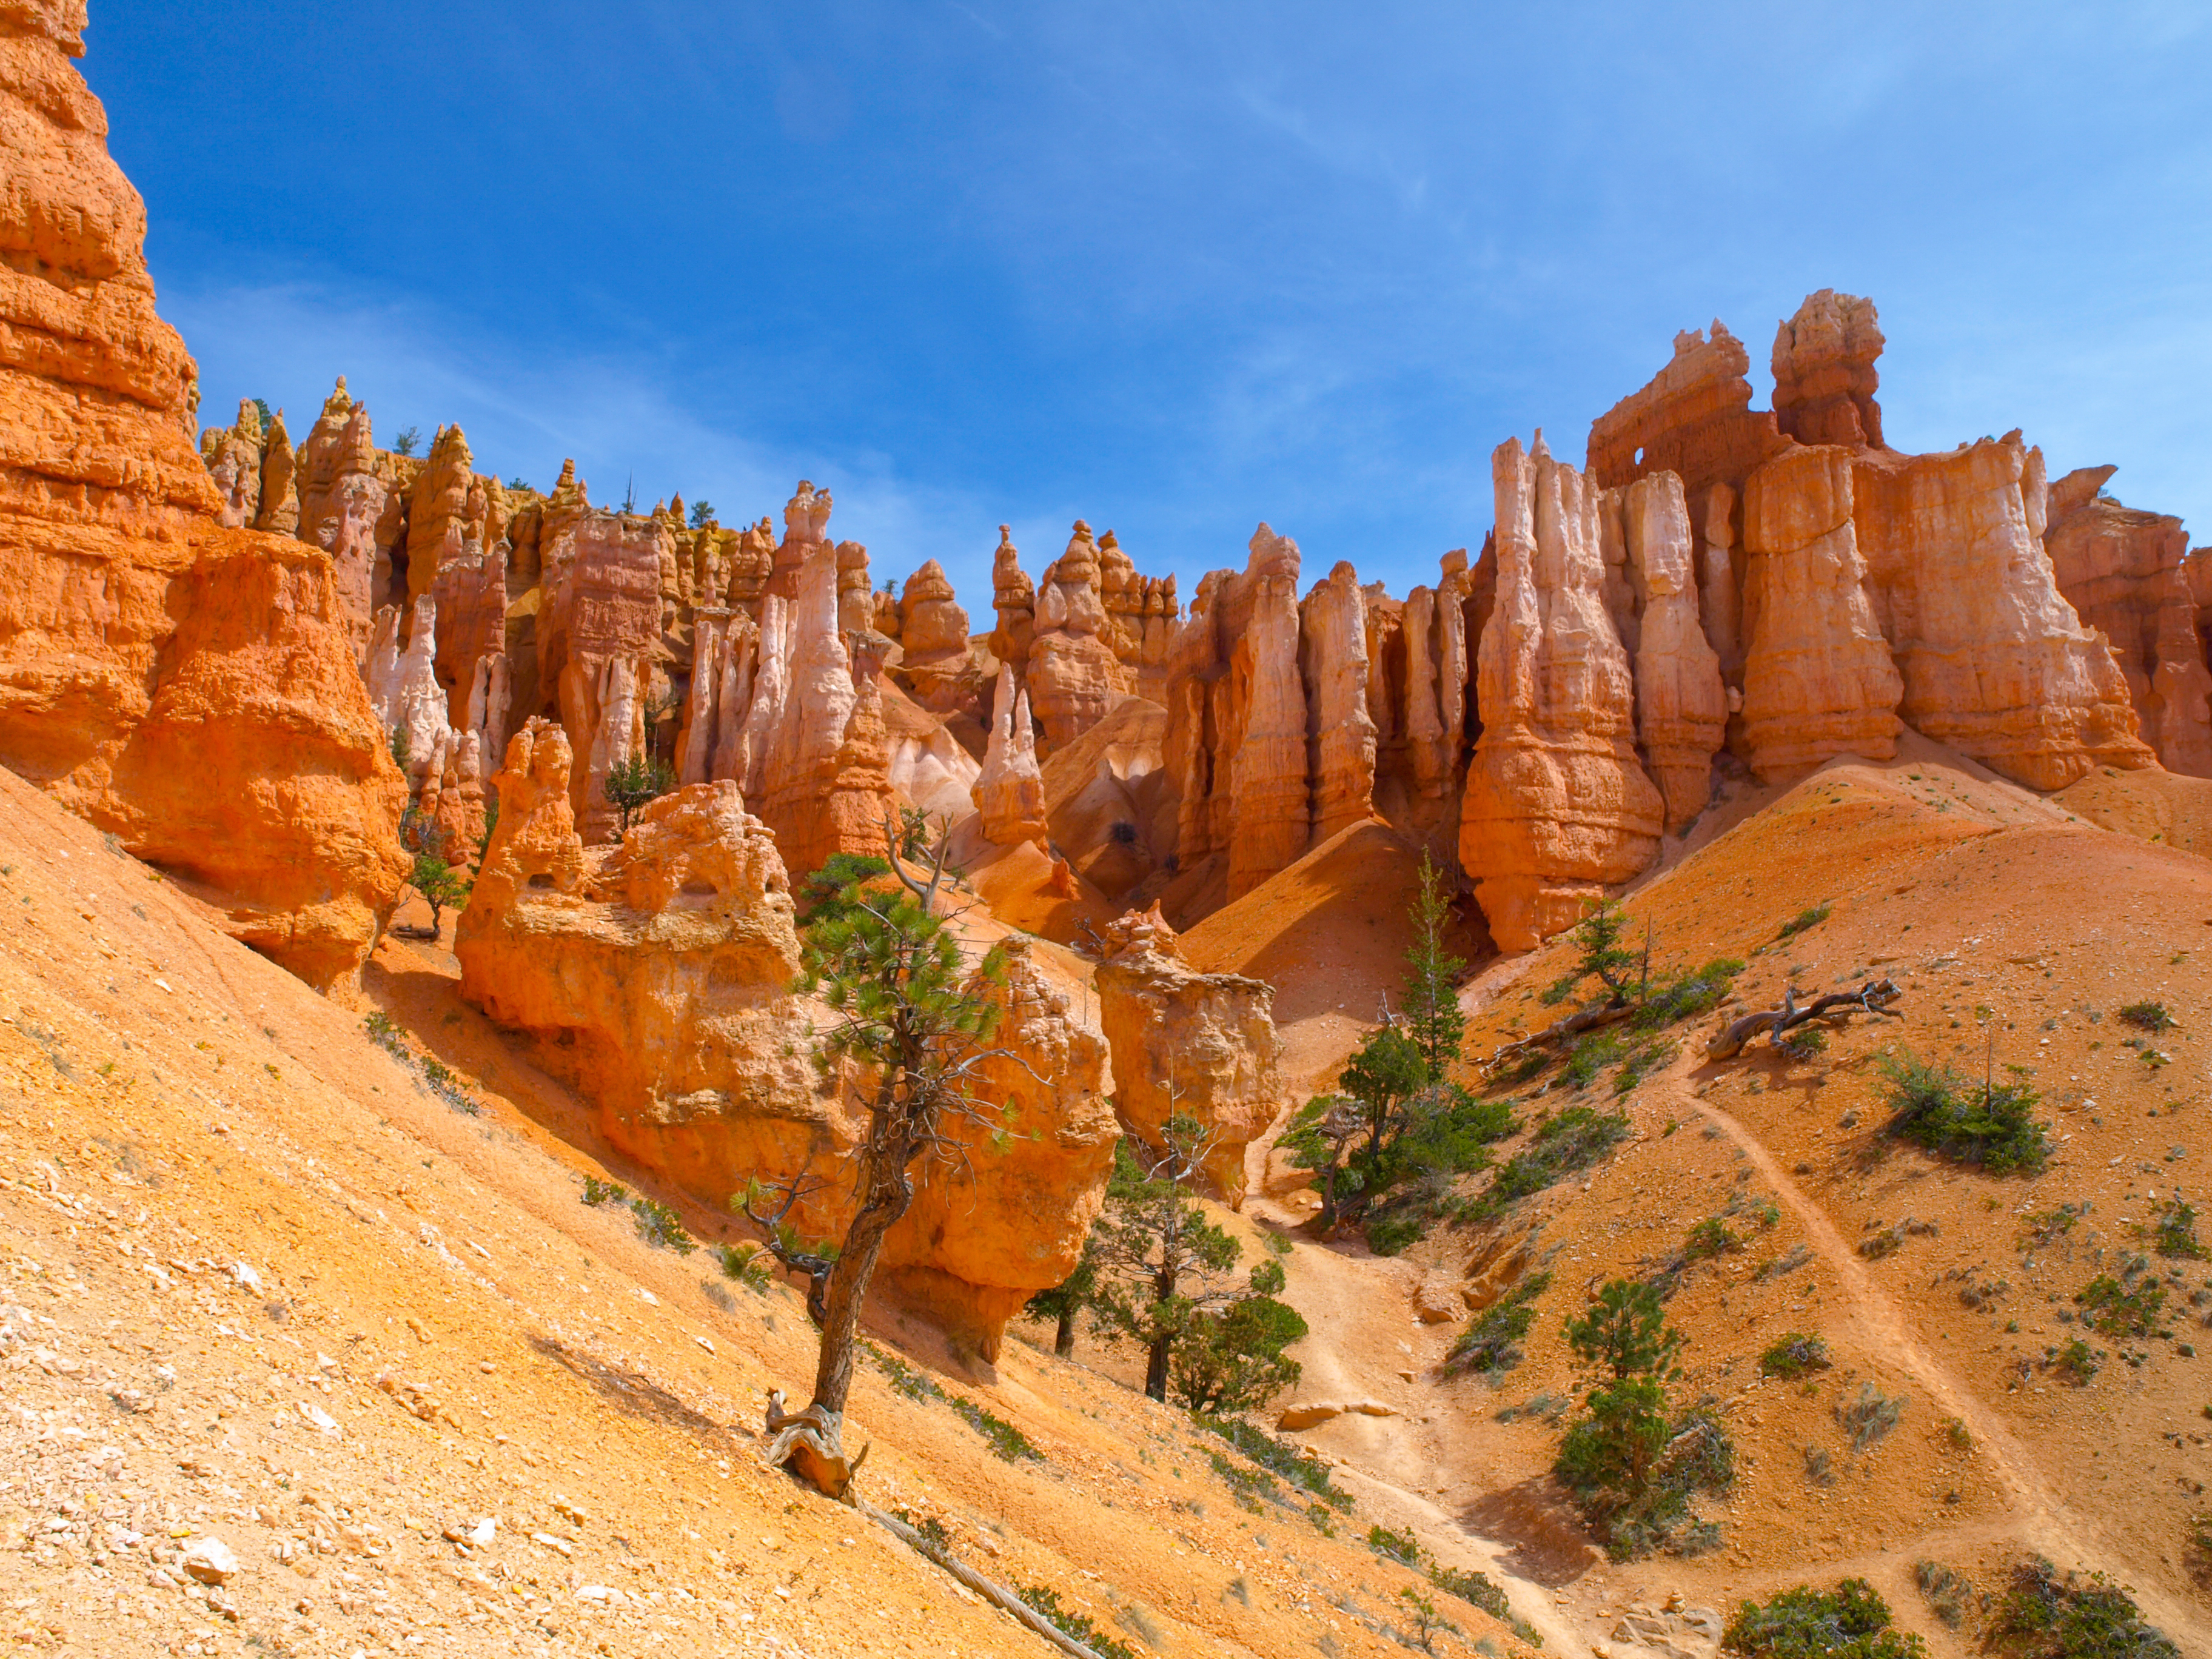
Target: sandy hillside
{"type": "Point", "coordinates": [263, 1286]}
{"type": "Point", "coordinates": [1941, 1288]}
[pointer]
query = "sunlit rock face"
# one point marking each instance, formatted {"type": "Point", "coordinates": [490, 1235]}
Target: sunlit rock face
{"type": "Point", "coordinates": [1557, 807]}
{"type": "Point", "coordinates": [656, 975]}
{"type": "Point", "coordinates": [1185, 1044]}
{"type": "Point", "coordinates": [182, 681]}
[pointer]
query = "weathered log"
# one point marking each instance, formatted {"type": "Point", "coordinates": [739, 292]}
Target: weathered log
{"type": "Point", "coordinates": [1871, 997]}
{"type": "Point", "coordinates": [998, 1595]}
{"type": "Point", "coordinates": [1590, 1019]}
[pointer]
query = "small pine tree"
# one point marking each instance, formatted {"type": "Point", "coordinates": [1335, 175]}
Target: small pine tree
{"type": "Point", "coordinates": [1625, 1331]}
{"type": "Point", "coordinates": [703, 514]}
{"type": "Point", "coordinates": [630, 784]}
{"type": "Point", "coordinates": [1433, 1019]}
{"type": "Point", "coordinates": [1603, 957]}
{"type": "Point", "coordinates": [1063, 1301]}
{"type": "Point", "coordinates": [1161, 1262]}
{"type": "Point", "coordinates": [910, 1016]}
{"type": "Point", "coordinates": [409, 439]}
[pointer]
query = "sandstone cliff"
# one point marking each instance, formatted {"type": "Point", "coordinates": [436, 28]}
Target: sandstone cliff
{"type": "Point", "coordinates": [2128, 574]}
{"type": "Point", "coordinates": [1557, 807]}
{"type": "Point", "coordinates": [656, 975]}
{"type": "Point", "coordinates": [186, 684]}
{"type": "Point", "coordinates": [1185, 1044]}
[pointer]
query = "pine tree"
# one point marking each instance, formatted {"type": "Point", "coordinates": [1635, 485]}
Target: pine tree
{"type": "Point", "coordinates": [912, 1015]}
{"type": "Point", "coordinates": [1433, 1019]}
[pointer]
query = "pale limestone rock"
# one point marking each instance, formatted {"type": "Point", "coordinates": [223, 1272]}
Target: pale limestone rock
{"type": "Point", "coordinates": [1013, 597]}
{"type": "Point", "coordinates": [1340, 732]}
{"type": "Point", "coordinates": [1824, 378]}
{"type": "Point", "coordinates": [1719, 608]}
{"type": "Point", "coordinates": [1556, 807]}
{"type": "Point", "coordinates": [2128, 574]}
{"type": "Point", "coordinates": [1073, 675]}
{"type": "Point", "coordinates": [1198, 1045]}
{"type": "Point", "coordinates": [1993, 660]}
{"type": "Point", "coordinates": [655, 975]}
{"type": "Point", "coordinates": [1268, 769]}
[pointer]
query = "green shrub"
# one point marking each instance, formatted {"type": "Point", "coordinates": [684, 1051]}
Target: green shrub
{"type": "Point", "coordinates": [1949, 1594]}
{"type": "Point", "coordinates": [1490, 1341]}
{"type": "Point", "coordinates": [936, 1541]}
{"type": "Point", "coordinates": [1472, 1588]}
{"type": "Point", "coordinates": [1398, 1545]}
{"type": "Point", "coordinates": [1641, 1060]}
{"type": "Point", "coordinates": [1804, 919]}
{"type": "Point", "coordinates": [1795, 1355]}
{"type": "Point", "coordinates": [2075, 1617]}
{"type": "Point", "coordinates": [1078, 1626]}
{"type": "Point", "coordinates": [1562, 1144]}
{"type": "Point", "coordinates": [2175, 1230]}
{"type": "Point", "coordinates": [1867, 1419]}
{"type": "Point", "coordinates": [2073, 1364]}
{"type": "Point", "coordinates": [1710, 1238]}
{"type": "Point", "coordinates": [1686, 997]}
{"type": "Point", "coordinates": [1802, 1042]}
{"type": "Point", "coordinates": [660, 1226]}
{"type": "Point", "coordinates": [1006, 1441]}
{"type": "Point", "coordinates": [1990, 1126]}
{"type": "Point", "coordinates": [748, 1264]}
{"type": "Point", "coordinates": [1293, 1462]}
{"type": "Point", "coordinates": [1591, 1055]}
{"type": "Point", "coordinates": [2147, 1016]}
{"type": "Point", "coordinates": [2112, 1309]}
{"type": "Point", "coordinates": [1851, 1621]}
{"type": "Point", "coordinates": [1633, 1471]}
{"type": "Point", "coordinates": [597, 1192]}
{"type": "Point", "coordinates": [903, 1378]}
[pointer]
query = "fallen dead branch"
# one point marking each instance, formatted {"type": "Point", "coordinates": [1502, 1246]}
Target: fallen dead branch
{"type": "Point", "coordinates": [1871, 997]}
{"type": "Point", "coordinates": [1597, 1014]}
{"type": "Point", "coordinates": [997, 1593]}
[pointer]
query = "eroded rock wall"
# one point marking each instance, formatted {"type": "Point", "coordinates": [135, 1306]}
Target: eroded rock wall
{"type": "Point", "coordinates": [655, 974]}
{"type": "Point", "coordinates": [1185, 1044]}
{"type": "Point", "coordinates": [1557, 807]}
{"type": "Point", "coordinates": [185, 684]}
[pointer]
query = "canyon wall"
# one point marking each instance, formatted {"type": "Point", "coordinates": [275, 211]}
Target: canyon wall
{"type": "Point", "coordinates": [655, 974]}
{"type": "Point", "coordinates": [168, 673]}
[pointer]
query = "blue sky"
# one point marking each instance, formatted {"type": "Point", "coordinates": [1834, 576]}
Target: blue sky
{"type": "Point", "coordinates": [1173, 268]}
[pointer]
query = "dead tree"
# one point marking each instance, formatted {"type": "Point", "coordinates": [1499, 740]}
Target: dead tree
{"type": "Point", "coordinates": [1872, 997]}
{"type": "Point", "coordinates": [782, 1242]}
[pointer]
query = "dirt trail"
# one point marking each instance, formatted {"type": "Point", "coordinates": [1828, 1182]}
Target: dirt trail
{"type": "Point", "coordinates": [1358, 1349]}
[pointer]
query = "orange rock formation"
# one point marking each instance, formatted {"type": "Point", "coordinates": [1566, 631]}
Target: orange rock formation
{"type": "Point", "coordinates": [2124, 571]}
{"type": "Point", "coordinates": [186, 684]}
{"type": "Point", "coordinates": [1557, 807]}
{"type": "Point", "coordinates": [1189, 1044]}
{"type": "Point", "coordinates": [656, 973]}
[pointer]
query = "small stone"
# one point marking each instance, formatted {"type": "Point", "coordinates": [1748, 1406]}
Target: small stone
{"type": "Point", "coordinates": [245, 1276]}
{"type": "Point", "coordinates": [209, 1560]}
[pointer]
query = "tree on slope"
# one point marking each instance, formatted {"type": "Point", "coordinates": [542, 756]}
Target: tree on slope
{"type": "Point", "coordinates": [918, 1024]}
{"type": "Point", "coordinates": [1166, 1280]}
{"type": "Point", "coordinates": [1396, 1116]}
